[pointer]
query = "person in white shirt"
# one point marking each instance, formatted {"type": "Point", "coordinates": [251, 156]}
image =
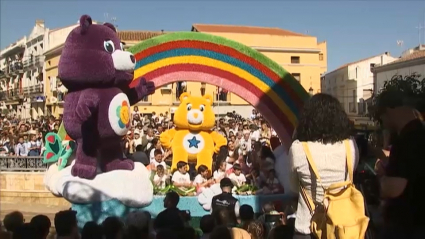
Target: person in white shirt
{"type": "Point", "coordinates": [158, 160]}
{"type": "Point", "coordinates": [21, 148]}
{"type": "Point", "coordinates": [237, 176]}
{"type": "Point", "coordinates": [245, 143]}
{"type": "Point", "coordinates": [161, 118]}
{"type": "Point", "coordinates": [137, 139]}
{"type": "Point", "coordinates": [181, 178]}
{"type": "Point", "coordinates": [220, 173]}
{"type": "Point", "coordinates": [255, 134]}
{"type": "Point", "coordinates": [253, 114]}
{"type": "Point", "coordinates": [160, 178]}
{"type": "Point", "coordinates": [201, 180]}
{"type": "Point", "coordinates": [156, 144]}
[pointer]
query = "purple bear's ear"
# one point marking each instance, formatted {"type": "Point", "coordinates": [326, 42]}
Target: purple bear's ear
{"type": "Point", "coordinates": [85, 22]}
{"type": "Point", "coordinates": [110, 26]}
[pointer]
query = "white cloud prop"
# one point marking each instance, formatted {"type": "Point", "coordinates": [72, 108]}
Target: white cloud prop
{"type": "Point", "coordinates": [132, 188]}
{"type": "Point", "coordinates": [205, 197]}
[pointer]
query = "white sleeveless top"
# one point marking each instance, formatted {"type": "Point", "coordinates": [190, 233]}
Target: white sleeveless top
{"type": "Point", "coordinates": [330, 160]}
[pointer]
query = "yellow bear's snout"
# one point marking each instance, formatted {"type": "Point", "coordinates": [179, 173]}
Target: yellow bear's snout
{"type": "Point", "coordinates": [195, 117]}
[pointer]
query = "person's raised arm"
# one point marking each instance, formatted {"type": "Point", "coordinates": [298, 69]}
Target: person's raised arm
{"type": "Point", "coordinates": [237, 207]}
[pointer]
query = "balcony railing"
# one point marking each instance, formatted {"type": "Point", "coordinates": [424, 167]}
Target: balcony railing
{"type": "Point", "coordinates": [15, 68]}
{"type": "Point", "coordinates": [13, 93]}
{"type": "Point", "coordinates": [35, 61]}
{"type": "Point", "coordinates": [3, 95]}
{"type": "Point", "coordinates": [5, 70]}
{"type": "Point", "coordinates": [26, 90]}
{"type": "Point", "coordinates": [34, 89]}
{"type": "Point", "coordinates": [13, 163]}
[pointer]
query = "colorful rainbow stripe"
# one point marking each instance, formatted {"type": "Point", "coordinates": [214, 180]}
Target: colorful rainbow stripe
{"type": "Point", "coordinates": [194, 56]}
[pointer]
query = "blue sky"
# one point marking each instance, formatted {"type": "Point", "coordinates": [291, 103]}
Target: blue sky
{"type": "Point", "coordinates": [353, 29]}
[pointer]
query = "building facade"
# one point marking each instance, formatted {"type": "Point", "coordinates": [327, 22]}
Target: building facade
{"type": "Point", "coordinates": [413, 62]}
{"type": "Point", "coordinates": [299, 54]}
{"type": "Point", "coordinates": [22, 75]}
{"type": "Point", "coordinates": [352, 83]}
{"type": "Point", "coordinates": [55, 92]}
{"type": "Point", "coordinates": [11, 67]}
{"type": "Point", "coordinates": [33, 104]}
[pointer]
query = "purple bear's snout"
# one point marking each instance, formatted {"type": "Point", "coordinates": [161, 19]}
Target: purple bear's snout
{"type": "Point", "coordinates": [123, 60]}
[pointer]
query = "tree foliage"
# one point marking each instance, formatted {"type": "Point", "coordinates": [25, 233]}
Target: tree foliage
{"type": "Point", "coordinates": [413, 86]}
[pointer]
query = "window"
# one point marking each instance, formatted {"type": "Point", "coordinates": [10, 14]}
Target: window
{"type": "Point", "coordinates": [41, 45]}
{"type": "Point", "coordinates": [352, 105]}
{"type": "Point", "coordinates": [203, 87]}
{"type": "Point", "coordinates": [321, 57]}
{"type": "Point", "coordinates": [297, 76]}
{"type": "Point", "coordinates": [295, 60]}
{"type": "Point", "coordinates": [49, 63]}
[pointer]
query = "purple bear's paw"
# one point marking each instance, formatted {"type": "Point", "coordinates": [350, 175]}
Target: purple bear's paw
{"type": "Point", "coordinates": [84, 171]}
{"type": "Point", "coordinates": [124, 164]}
{"type": "Point", "coordinates": [145, 88]}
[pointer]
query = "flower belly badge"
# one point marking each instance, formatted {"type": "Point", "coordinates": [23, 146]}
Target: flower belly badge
{"type": "Point", "coordinates": [57, 150]}
{"type": "Point", "coordinates": [123, 114]}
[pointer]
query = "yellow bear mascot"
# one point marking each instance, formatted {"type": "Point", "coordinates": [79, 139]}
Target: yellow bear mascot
{"type": "Point", "coordinates": [193, 139]}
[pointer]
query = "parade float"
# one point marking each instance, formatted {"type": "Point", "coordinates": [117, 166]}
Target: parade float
{"type": "Point", "coordinates": [96, 178]}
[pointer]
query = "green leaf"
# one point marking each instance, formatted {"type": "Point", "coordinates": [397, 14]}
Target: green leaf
{"type": "Point", "coordinates": [65, 153]}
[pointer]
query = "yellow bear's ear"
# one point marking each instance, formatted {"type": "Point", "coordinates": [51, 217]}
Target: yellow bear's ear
{"type": "Point", "coordinates": [184, 96]}
{"type": "Point", "coordinates": [209, 99]}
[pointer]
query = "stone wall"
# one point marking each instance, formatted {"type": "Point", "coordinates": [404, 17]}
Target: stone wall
{"type": "Point", "coordinates": [27, 187]}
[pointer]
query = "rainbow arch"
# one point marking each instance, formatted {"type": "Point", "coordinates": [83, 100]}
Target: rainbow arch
{"type": "Point", "coordinates": [194, 56]}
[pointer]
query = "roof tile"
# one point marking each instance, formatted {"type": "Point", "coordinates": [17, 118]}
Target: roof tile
{"type": "Point", "coordinates": [137, 35]}
{"type": "Point", "coordinates": [412, 56]}
{"type": "Point", "coordinates": [244, 29]}
{"type": "Point", "coordinates": [354, 62]}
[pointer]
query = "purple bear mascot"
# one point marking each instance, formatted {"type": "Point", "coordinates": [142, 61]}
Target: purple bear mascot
{"type": "Point", "coordinates": [97, 72]}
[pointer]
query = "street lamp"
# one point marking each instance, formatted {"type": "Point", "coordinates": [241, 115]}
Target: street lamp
{"type": "Point", "coordinates": [311, 91]}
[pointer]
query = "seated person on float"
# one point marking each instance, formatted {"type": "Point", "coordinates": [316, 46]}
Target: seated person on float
{"type": "Point", "coordinates": [160, 178]}
{"type": "Point", "coordinates": [201, 180]}
{"type": "Point", "coordinates": [181, 178]}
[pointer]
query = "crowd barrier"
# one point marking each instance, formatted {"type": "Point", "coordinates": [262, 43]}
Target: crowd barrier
{"type": "Point", "coordinates": [22, 164]}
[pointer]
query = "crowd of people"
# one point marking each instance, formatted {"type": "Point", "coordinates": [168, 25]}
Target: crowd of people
{"type": "Point", "coordinates": [324, 152]}
{"type": "Point", "coordinates": [172, 223]}
{"type": "Point", "coordinates": [25, 138]}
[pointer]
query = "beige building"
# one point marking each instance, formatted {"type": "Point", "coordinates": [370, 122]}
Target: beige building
{"type": "Point", "coordinates": [32, 83]}
{"type": "Point", "coordinates": [352, 83]}
{"type": "Point", "coordinates": [299, 54]}
{"type": "Point", "coordinates": [22, 75]}
{"type": "Point", "coordinates": [412, 61]}
{"type": "Point", "coordinates": [12, 70]}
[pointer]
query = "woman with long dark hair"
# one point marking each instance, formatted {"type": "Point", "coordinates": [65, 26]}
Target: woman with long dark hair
{"type": "Point", "coordinates": [323, 128]}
